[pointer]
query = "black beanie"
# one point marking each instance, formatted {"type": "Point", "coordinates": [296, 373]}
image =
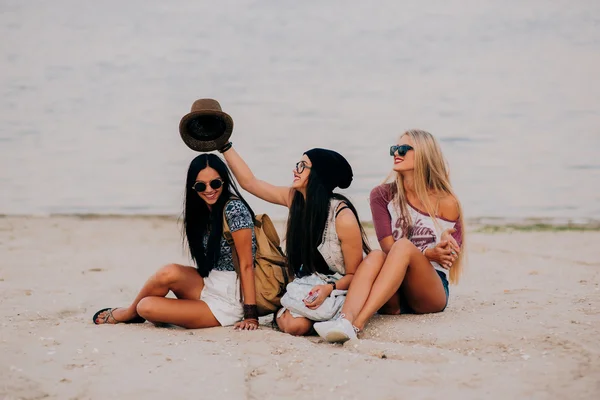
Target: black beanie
{"type": "Point", "coordinates": [333, 169]}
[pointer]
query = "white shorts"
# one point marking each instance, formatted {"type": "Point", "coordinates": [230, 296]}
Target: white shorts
{"type": "Point", "coordinates": [221, 293]}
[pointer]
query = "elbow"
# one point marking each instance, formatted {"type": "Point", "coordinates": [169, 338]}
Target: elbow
{"type": "Point", "coordinates": [246, 183]}
{"type": "Point", "coordinates": [245, 267]}
{"type": "Point", "coordinates": [243, 183]}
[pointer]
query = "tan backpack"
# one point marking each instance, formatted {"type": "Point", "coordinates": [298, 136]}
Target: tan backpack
{"type": "Point", "coordinates": [271, 272]}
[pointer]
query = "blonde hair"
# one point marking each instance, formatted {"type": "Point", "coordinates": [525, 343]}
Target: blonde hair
{"type": "Point", "coordinates": [431, 177]}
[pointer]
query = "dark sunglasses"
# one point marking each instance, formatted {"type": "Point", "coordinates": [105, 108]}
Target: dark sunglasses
{"type": "Point", "coordinates": [300, 166]}
{"type": "Point", "coordinates": [201, 186]}
{"type": "Point", "coordinates": [400, 149]}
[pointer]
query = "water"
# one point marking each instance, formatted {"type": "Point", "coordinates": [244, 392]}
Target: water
{"type": "Point", "coordinates": [91, 94]}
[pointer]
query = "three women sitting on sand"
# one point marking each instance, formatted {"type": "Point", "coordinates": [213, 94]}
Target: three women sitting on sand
{"type": "Point", "coordinates": [340, 283]}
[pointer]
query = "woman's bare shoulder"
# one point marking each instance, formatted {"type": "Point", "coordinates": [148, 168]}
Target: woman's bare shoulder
{"type": "Point", "coordinates": [449, 208]}
{"type": "Point", "coordinates": [346, 222]}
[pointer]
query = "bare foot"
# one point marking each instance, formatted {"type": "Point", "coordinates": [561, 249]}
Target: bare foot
{"type": "Point", "coordinates": [386, 310]}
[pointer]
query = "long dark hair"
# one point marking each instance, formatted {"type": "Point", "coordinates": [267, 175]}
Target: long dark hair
{"type": "Point", "coordinates": [306, 224]}
{"type": "Point", "coordinates": [198, 218]}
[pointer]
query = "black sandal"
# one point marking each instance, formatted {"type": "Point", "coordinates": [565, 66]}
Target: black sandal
{"type": "Point", "coordinates": [109, 315]}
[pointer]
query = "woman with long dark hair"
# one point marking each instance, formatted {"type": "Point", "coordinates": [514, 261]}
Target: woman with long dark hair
{"type": "Point", "coordinates": [207, 295]}
{"type": "Point", "coordinates": [325, 242]}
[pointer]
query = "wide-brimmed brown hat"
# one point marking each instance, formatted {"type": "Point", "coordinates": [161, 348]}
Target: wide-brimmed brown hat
{"type": "Point", "coordinates": [206, 127]}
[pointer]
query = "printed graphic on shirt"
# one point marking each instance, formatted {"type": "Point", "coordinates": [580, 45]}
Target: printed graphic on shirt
{"type": "Point", "coordinates": [238, 217]}
{"type": "Point", "coordinates": [420, 235]}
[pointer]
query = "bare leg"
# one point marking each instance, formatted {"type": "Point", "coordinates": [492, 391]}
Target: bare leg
{"type": "Point", "coordinates": [397, 302]}
{"type": "Point", "coordinates": [294, 326]}
{"type": "Point", "coordinates": [393, 305]}
{"type": "Point", "coordinates": [185, 282]}
{"type": "Point", "coordinates": [191, 314]}
{"type": "Point", "coordinates": [362, 282]}
{"type": "Point", "coordinates": [423, 287]}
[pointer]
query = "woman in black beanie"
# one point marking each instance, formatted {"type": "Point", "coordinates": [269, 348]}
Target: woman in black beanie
{"type": "Point", "coordinates": [325, 242]}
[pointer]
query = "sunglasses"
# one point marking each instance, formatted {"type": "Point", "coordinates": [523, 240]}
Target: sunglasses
{"type": "Point", "coordinates": [301, 166]}
{"type": "Point", "coordinates": [201, 186]}
{"type": "Point", "coordinates": [400, 149]}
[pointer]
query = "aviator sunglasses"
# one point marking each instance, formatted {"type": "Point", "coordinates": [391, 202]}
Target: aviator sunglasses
{"type": "Point", "coordinates": [201, 186]}
{"type": "Point", "coordinates": [400, 149]}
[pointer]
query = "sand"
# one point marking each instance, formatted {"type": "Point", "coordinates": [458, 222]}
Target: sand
{"type": "Point", "coordinates": [523, 323]}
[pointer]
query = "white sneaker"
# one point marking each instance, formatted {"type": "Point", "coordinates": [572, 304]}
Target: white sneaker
{"type": "Point", "coordinates": [336, 331]}
{"type": "Point", "coordinates": [323, 327]}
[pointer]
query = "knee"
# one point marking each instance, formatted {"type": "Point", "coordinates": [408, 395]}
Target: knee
{"type": "Point", "coordinates": [168, 274]}
{"type": "Point", "coordinates": [145, 307]}
{"type": "Point", "coordinates": [296, 329]}
{"type": "Point", "coordinates": [375, 258]}
{"type": "Point", "coordinates": [291, 325]}
{"type": "Point", "coordinates": [372, 264]}
{"type": "Point", "coordinates": [402, 245]}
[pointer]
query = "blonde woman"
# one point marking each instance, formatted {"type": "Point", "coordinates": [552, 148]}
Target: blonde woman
{"type": "Point", "coordinates": [418, 222]}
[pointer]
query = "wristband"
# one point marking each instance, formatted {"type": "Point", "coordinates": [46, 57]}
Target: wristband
{"type": "Point", "coordinates": [226, 147]}
{"type": "Point", "coordinates": [250, 311]}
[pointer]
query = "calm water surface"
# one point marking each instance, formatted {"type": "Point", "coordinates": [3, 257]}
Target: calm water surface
{"type": "Point", "coordinates": [91, 94]}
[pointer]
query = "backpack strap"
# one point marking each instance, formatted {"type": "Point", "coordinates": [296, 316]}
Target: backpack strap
{"type": "Point", "coordinates": [226, 229]}
{"type": "Point", "coordinates": [339, 210]}
{"type": "Point", "coordinates": [268, 238]}
{"type": "Point", "coordinates": [229, 238]}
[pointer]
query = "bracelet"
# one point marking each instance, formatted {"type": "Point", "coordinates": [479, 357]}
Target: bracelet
{"type": "Point", "coordinates": [226, 147]}
{"type": "Point", "coordinates": [250, 311]}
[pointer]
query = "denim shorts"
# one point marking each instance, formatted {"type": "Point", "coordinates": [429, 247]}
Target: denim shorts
{"type": "Point", "coordinates": [406, 309]}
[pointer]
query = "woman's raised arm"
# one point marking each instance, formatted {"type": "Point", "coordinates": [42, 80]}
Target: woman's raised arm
{"type": "Point", "coordinates": [281, 195]}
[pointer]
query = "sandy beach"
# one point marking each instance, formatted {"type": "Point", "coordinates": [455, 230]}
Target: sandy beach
{"type": "Point", "coordinates": [523, 323]}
